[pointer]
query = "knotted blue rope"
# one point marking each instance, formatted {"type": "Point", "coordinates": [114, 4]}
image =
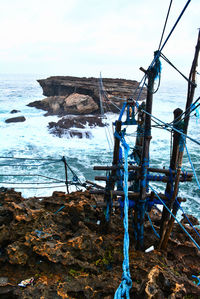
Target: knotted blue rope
{"type": "Point", "coordinates": [126, 283]}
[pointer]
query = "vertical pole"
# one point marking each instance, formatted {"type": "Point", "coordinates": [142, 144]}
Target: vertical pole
{"type": "Point", "coordinates": [118, 125]}
{"type": "Point", "coordinates": [110, 184]}
{"type": "Point", "coordinates": [66, 176]}
{"type": "Point", "coordinates": [145, 161]}
{"type": "Point", "coordinates": [190, 96]}
{"type": "Point", "coordinates": [169, 187]}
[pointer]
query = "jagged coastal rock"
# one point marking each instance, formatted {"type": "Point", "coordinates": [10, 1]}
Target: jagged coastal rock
{"type": "Point", "coordinates": [80, 96]}
{"type": "Point", "coordinates": [60, 246]}
{"type": "Point", "coordinates": [63, 91]}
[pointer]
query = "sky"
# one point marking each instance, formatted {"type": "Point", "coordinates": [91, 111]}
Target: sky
{"type": "Point", "coordinates": [86, 37]}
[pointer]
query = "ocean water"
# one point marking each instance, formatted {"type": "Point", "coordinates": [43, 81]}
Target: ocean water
{"type": "Point", "coordinates": [42, 171]}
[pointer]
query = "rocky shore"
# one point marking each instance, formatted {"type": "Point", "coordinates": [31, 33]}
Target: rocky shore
{"type": "Point", "coordinates": [67, 96]}
{"type": "Point", "coordinates": [60, 245]}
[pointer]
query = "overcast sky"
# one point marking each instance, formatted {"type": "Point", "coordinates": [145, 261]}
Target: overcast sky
{"type": "Point", "coordinates": [84, 37]}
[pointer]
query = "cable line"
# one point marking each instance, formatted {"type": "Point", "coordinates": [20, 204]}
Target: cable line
{"type": "Point", "coordinates": [165, 24]}
{"type": "Point", "coordinates": [177, 21]}
{"type": "Point", "coordinates": [170, 63]}
{"type": "Point", "coordinates": [36, 159]}
{"type": "Point", "coordinates": [172, 128]}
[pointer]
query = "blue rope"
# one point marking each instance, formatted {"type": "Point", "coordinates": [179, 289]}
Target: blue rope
{"type": "Point", "coordinates": [155, 232]}
{"type": "Point", "coordinates": [175, 24]}
{"type": "Point", "coordinates": [60, 209]}
{"type": "Point", "coordinates": [195, 243]}
{"type": "Point", "coordinates": [126, 283]}
{"type": "Point", "coordinates": [187, 218]}
{"type": "Point", "coordinates": [195, 175]}
{"type": "Point", "coordinates": [197, 278]}
{"type": "Point", "coordinates": [171, 127]}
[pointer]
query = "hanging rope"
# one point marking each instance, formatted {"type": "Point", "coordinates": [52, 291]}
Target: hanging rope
{"type": "Point", "coordinates": [126, 283]}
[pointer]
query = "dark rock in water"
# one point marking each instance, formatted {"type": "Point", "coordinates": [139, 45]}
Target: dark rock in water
{"type": "Point", "coordinates": [14, 111]}
{"type": "Point", "coordinates": [66, 126]}
{"type": "Point", "coordinates": [69, 256]}
{"type": "Point", "coordinates": [74, 95]}
{"type": "Point", "coordinates": [15, 119]}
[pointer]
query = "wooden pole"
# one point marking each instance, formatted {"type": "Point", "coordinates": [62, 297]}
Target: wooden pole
{"type": "Point", "coordinates": [169, 187]}
{"type": "Point", "coordinates": [110, 184]}
{"type": "Point", "coordinates": [140, 206]}
{"type": "Point", "coordinates": [190, 96]}
{"type": "Point", "coordinates": [66, 175]}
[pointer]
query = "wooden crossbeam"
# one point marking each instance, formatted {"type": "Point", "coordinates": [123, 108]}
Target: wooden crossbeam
{"type": "Point", "coordinates": [165, 179]}
{"type": "Point", "coordinates": [131, 194]}
{"type": "Point", "coordinates": [133, 167]}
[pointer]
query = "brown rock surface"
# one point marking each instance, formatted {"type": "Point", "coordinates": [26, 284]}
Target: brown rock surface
{"type": "Point", "coordinates": [79, 104]}
{"type": "Point", "coordinates": [61, 89]}
{"type": "Point", "coordinates": [70, 255]}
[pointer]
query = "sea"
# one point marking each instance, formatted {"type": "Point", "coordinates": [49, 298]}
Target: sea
{"type": "Point", "coordinates": [31, 158]}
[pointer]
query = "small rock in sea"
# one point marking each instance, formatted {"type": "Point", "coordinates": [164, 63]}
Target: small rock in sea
{"type": "Point", "coordinates": [15, 119]}
{"type": "Point", "coordinates": [14, 111]}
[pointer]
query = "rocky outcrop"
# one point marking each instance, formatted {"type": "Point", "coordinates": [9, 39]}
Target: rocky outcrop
{"type": "Point", "coordinates": [15, 119]}
{"type": "Point", "coordinates": [74, 95]}
{"type": "Point", "coordinates": [75, 126]}
{"type": "Point", "coordinates": [60, 242]}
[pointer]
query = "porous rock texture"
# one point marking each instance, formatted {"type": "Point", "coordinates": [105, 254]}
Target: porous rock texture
{"type": "Point", "coordinates": [70, 255]}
